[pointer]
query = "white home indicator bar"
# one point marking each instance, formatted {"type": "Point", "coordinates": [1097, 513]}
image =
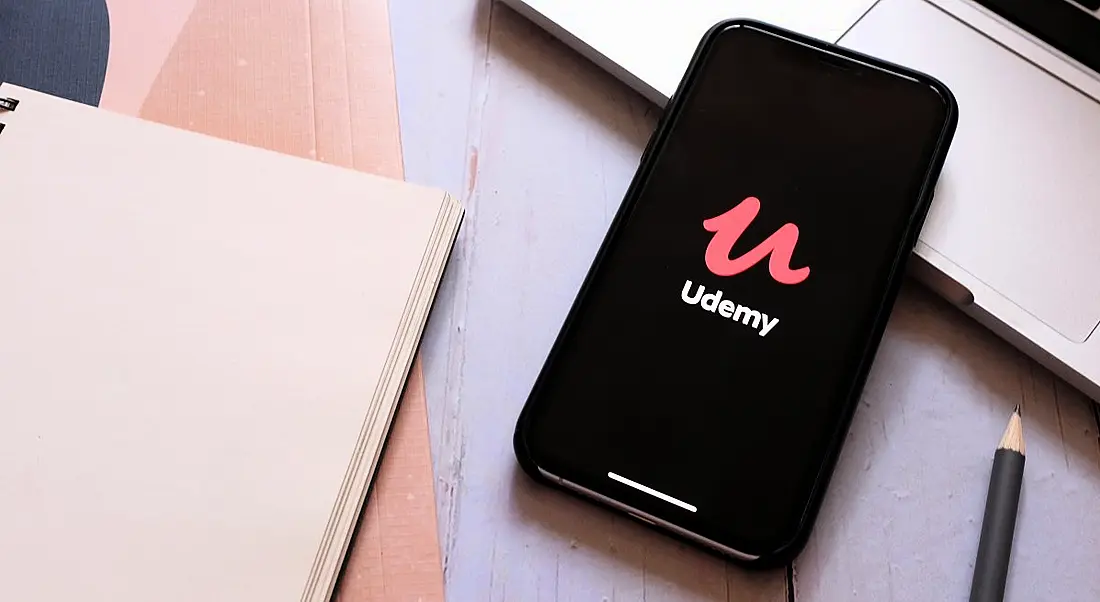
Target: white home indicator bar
{"type": "Point", "coordinates": [653, 492]}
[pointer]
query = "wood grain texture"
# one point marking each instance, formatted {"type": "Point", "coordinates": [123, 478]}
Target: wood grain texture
{"type": "Point", "coordinates": [541, 146]}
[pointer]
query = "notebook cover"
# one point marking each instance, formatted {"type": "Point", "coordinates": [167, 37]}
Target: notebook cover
{"type": "Point", "coordinates": [212, 363]}
{"type": "Point", "coordinates": [312, 78]}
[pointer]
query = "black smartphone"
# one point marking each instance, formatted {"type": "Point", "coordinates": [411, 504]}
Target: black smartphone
{"type": "Point", "coordinates": [706, 375]}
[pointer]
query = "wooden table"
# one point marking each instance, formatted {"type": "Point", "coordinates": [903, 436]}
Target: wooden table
{"type": "Point", "coordinates": [540, 146]}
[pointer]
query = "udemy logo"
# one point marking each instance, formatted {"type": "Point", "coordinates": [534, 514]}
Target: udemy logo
{"type": "Point", "coordinates": [778, 248]}
{"type": "Point", "coordinates": [729, 227]}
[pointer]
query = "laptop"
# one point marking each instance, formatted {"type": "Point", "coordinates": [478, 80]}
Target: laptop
{"type": "Point", "coordinates": [1013, 235]}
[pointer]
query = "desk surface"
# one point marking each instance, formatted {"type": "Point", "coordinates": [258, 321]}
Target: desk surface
{"type": "Point", "coordinates": [540, 146]}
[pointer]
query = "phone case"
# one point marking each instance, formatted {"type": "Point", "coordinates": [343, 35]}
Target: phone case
{"type": "Point", "coordinates": [785, 553]}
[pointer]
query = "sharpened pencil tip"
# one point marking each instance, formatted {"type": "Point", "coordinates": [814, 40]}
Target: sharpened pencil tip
{"type": "Point", "coordinates": [1017, 410]}
{"type": "Point", "coordinates": [1013, 438]}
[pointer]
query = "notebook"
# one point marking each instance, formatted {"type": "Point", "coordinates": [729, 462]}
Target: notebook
{"type": "Point", "coordinates": [307, 78]}
{"type": "Point", "coordinates": [204, 344]}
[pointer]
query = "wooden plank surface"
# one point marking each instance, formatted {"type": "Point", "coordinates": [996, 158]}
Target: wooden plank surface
{"type": "Point", "coordinates": [540, 145]}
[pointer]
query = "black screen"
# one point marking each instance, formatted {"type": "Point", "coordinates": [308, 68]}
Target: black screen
{"type": "Point", "coordinates": [731, 404]}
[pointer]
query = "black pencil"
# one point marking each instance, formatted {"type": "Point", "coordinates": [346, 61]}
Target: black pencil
{"type": "Point", "coordinates": [999, 524]}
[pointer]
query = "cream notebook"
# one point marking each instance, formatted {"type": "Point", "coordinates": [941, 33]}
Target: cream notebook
{"type": "Point", "coordinates": [202, 345]}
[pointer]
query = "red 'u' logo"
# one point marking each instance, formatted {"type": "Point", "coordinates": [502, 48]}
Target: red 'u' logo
{"type": "Point", "coordinates": [729, 226]}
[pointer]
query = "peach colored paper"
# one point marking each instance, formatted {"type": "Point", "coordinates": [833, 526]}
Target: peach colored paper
{"type": "Point", "coordinates": [312, 78]}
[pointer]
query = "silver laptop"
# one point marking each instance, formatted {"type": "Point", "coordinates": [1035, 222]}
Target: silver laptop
{"type": "Point", "coordinates": [1013, 236]}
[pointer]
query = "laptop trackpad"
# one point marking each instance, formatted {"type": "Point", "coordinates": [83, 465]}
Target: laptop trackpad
{"type": "Point", "coordinates": [1018, 205]}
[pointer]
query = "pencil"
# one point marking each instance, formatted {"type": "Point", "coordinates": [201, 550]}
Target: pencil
{"type": "Point", "coordinates": [999, 524]}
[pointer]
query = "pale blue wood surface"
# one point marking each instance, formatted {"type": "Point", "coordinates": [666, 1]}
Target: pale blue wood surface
{"type": "Point", "coordinates": [540, 147]}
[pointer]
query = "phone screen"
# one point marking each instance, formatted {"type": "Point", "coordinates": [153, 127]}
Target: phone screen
{"type": "Point", "coordinates": [707, 371]}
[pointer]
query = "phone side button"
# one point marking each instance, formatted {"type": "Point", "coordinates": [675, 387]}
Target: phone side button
{"type": "Point", "coordinates": [550, 477]}
{"type": "Point", "coordinates": [643, 519]}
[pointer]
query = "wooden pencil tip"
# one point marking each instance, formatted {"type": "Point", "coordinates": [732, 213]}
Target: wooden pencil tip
{"type": "Point", "coordinates": [1013, 438]}
{"type": "Point", "coordinates": [1017, 410]}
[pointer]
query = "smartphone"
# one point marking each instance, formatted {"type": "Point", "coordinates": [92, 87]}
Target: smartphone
{"type": "Point", "coordinates": [705, 377]}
